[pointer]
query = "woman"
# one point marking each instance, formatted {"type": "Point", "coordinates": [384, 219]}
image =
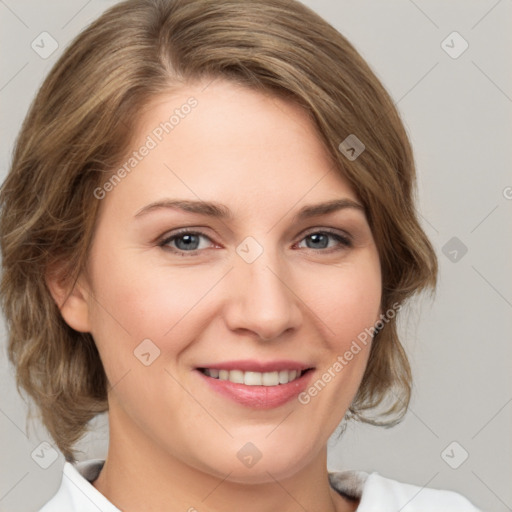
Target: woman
{"type": "Point", "coordinates": [208, 230]}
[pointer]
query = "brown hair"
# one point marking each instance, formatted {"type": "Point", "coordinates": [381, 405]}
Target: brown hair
{"type": "Point", "coordinates": [78, 129]}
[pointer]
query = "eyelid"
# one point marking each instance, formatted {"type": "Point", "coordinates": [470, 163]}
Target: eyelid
{"type": "Point", "coordinates": [330, 231]}
{"type": "Point", "coordinates": [343, 237]}
{"type": "Point", "coordinates": [169, 236]}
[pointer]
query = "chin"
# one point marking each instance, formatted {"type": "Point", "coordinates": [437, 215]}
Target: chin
{"type": "Point", "coordinates": [249, 464]}
{"type": "Point", "coordinates": [261, 473]}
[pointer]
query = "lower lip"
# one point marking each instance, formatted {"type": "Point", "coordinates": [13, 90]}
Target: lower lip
{"type": "Point", "coordinates": [259, 397]}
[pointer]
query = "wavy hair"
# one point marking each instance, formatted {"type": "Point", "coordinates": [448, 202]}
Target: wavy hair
{"type": "Point", "coordinates": [78, 129]}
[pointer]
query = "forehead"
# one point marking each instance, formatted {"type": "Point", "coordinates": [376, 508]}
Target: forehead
{"type": "Point", "coordinates": [221, 112]}
{"type": "Point", "coordinates": [227, 142]}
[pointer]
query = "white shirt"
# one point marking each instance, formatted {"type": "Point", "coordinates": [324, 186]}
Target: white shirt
{"type": "Point", "coordinates": [377, 493]}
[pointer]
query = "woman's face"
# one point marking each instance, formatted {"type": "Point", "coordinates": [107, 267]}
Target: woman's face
{"type": "Point", "coordinates": [253, 295]}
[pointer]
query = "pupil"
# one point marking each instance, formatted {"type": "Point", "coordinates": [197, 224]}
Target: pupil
{"type": "Point", "coordinates": [189, 240]}
{"type": "Point", "coordinates": [315, 238]}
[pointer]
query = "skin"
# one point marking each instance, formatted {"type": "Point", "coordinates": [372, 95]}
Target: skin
{"type": "Point", "coordinates": [173, 441]}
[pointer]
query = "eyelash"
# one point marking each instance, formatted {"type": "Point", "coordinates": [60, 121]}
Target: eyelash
{"type": "Point", "coordinates": [164, 244]}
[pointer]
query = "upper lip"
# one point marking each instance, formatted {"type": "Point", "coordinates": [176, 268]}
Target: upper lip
{"type": "Point", "coordinates": [258, 366]}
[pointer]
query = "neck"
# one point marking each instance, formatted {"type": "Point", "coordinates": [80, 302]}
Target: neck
{"type": "Point", "coordinates": [150, 479]}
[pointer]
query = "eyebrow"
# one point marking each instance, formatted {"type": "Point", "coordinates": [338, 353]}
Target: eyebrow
{"type": "Point", "coordinates": [220, 211]}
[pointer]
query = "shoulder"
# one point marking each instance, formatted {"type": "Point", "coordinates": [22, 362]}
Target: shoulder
{"type": "Point", "coordinates": [76, 492]}
{"type": "Point", "coordinates": [413, 498]}
{"type": "Point", "coordinates": [376, 491]}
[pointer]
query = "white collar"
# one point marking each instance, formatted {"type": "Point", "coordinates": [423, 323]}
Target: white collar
{"type": "Point", "coordinates": [76, 492]}
{"type": "Point", "coordinates": [376, 493]}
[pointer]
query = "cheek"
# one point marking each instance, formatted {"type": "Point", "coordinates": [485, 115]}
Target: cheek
{"type": "Point", "coordinates": [348, 306]}
{"type": "Point", "coordinates": [135, 300]}
{"type": "Point", "coordinates": [138, 298]}
{"type": "Point", "coordinates": [159, 303]}
{"type": "Point", "coordinates": [349, 302]}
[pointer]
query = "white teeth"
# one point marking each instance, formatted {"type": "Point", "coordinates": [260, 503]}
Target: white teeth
{"type": "Point", "coordinates": [254, 378]}
{"type": "Point", "coordinates": [236, 376]}
{"type": "Point", "coordinates": [270, 379]}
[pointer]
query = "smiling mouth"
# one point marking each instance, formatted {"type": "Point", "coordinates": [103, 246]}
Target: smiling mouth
{"type": "Point", "coordinates": [269, 379]}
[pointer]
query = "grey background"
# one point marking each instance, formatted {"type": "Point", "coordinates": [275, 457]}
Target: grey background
{"type": "Point", "coordinates": [458, 113]}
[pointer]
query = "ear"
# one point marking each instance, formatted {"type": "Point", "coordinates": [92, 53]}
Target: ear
{"type": "Point", "coordinates": [71, 299]}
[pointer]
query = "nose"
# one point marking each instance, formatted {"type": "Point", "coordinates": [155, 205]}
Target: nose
{"type": "Point", "coordinates": [262, 298]}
